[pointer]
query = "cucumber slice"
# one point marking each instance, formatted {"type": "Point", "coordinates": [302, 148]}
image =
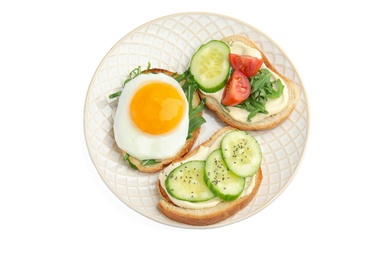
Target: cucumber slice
{"type": "Point", "coordinates": [241, 152]}
{"type": "Point", "coordinates": [210, 66]}
{"type": "Point", "coordinates": [222, 182]}
{"type": "Point", "coordinates": [186, 182]}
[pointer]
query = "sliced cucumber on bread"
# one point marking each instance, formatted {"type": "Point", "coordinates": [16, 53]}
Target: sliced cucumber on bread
{"type": "Point", "coordinates": [241, 152]}
{"type": "Point", "coordinates": [220, 193]}
{"type": "Point", "coordinates": [220, 180]}
{"type": "Point", "coordinates": [186, 182]}
{"type": "Point", "coordinates": [210, 66]}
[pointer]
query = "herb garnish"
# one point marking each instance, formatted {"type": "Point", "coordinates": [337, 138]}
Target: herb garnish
{"type": "Point", "coordinates": [149, 162]}
{"type": "Point", "coordinates": [126, 158]}
{"type": "Point", "coordinates": [262, 90]}
{"type": "Point", "coordinates": [189, 88]}
{"type": "Point", "coordinates": [134, 73]}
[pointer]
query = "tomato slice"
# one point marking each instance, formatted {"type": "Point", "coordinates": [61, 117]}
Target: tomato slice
{"type": "Point", "coordinates": [246, 64]}
{"type": "Point", "coordinates": [236, 90]}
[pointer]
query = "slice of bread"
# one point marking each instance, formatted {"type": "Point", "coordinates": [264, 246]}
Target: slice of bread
{"type": "Point", "coordinates": [206, 216]}
{"type": "Point", "coordinates": [155, 167]}
{"type": "Point", "coordinates": [268, 122]}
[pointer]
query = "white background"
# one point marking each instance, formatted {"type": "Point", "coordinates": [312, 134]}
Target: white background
{"type": "Point", "coordinates": [54, 205]}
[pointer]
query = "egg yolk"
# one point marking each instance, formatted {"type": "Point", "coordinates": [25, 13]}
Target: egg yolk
{"type": "Point", "coordinates": [157, 108]}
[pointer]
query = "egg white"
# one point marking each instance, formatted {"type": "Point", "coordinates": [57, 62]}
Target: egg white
{"type": "Point", "coordinates": [143, 145]}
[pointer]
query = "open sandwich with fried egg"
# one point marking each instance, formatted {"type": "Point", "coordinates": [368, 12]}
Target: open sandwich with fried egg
{"type": "Point", "coordinates": [157, 119]}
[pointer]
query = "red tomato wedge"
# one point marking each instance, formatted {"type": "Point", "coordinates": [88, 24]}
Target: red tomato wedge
{"type": "Point", "coordinates": [236, 90]}
{"type": "Point", "coordinates": [246, 64]}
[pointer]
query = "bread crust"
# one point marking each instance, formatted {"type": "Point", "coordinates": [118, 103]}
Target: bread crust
{"type": "Point", "coordinates": [188, 144]}
{"type": "Point", "coordinates": [269, 122]}
{"type": "Point", "coordinates": [206, 216]}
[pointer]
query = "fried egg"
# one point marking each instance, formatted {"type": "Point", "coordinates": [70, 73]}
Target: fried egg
{"type": "Point", "coordinates": [151, 120]}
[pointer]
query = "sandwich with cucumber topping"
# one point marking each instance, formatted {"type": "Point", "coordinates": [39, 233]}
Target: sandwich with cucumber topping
{"type": "Point", "coordinates": [214, 181]}
{"type": "Point", "coordinates": [241, 85]}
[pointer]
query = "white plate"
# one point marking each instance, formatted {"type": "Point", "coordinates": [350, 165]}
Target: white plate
{"type": "Point", "coordinates": [169, 42]}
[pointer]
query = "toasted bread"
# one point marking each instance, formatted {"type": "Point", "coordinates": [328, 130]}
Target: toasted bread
{"type": "Point", "coordinates": [152, 168]}
{"type": "Point", "coordinates": [268, 122]}
{"type": "Point", "coordinates": [206, 216]}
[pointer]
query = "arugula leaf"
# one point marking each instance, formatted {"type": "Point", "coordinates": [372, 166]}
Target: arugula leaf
{"type": "Point", "coordinates": [279, 92]}
{"type": "Point", "coordinates": [126, 157]}
{"type": "Point", "coordinates": [198, 109]}
{"type": "Point", "coordinates": [192, 112]}
{"type": "Point", "coordinates": [195, 122]}
{"type": "Point", "coordinates": [260, 79]}
{"type": "Point", "coordinates": [149, 162]}
{"type": "Point", "coordinates": [143, 162]}
{"type": "Point", "coordinates": [182, 76]}
{"type": "Point", "coordinates": [189, 88]}
{"type": "Point", "coordinates": [262, 90]}
{"type": "Point", "coordinates": [134, 73]}
{"type": "Point", "coordinates": [116, 94]}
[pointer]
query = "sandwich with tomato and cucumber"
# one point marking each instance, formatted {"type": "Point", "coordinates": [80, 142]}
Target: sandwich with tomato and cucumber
{"type": "Point", "coordinates": [240, 84]}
